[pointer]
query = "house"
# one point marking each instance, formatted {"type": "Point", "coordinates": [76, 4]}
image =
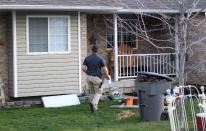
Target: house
{"type": "Point", "coordinates": [43, 43]}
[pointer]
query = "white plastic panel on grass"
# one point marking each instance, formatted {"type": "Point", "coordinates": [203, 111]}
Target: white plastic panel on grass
{"type": "Point", "coordinates": [60, 100]}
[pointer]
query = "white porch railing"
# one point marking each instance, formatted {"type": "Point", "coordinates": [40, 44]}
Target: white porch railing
{"type": "Point", "coordinates": [130, 64]}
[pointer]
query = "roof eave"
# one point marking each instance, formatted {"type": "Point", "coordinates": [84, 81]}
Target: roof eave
{"type": "Point", "coordinates": [107, 9]}
{"type": "Point", "coordinates": [169, 11]}
{"type": "Point", "coordinates": [137, 11]}
{"type": "Point", "coordinates": [56, 7]}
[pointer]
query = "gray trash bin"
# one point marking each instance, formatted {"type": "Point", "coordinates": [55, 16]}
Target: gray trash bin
{"type": "Point", "coordinates": [151, 96]}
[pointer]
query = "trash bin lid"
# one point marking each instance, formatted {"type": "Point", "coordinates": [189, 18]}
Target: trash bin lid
{"type": "Point", "coordinates": [159, 76]}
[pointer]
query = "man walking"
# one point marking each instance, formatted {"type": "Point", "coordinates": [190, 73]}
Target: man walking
{"type": "Point", "coordinates": [94, 66]}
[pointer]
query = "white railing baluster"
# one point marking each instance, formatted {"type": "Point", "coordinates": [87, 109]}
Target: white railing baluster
{"type": "Point", "coordinates": [175, 70]}
{"type": "Point", "coordinates": [144, 64]}
{"type": "Point", "coordinates": [160, 64]}
{"type": "Point", "coordinates": [140, 58]}
{"type": "Point", "coordinates": [137, 66]}
{"type": "Point", "coordinates": [147, 63]}
{"type": "Point", "coordinates": [141, 61]}
{"type": "Point", "coordinates": [127, 66]}
{"type": "Point", "coordinates": [133, 60]}
{"type": "Point", "coordinates": [150, 63]}
{"type": "Point", "coordinates": [169, 64]}
{"type": "Point", "coordinates": [157, 64]}
{"type": "Point", "coordinates": [120, 65]}
{"type": "Point", "coordinates": [163, 64]}
{"type": "Point", "coordinates": [130, 64]}
{"type": "Point", "coordinates": [123, 62]}
{"type": "Point", "coordinates": [153, 63]}
{"type": "Point", "coordinates": [133, 65]}
{"type": "Point", "coordinates": [173, 66]}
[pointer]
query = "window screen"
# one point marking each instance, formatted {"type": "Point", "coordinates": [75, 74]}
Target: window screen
{"type": "Point", "coordinates": [38, 35]}
{"type": "Point", "coordinates": [58, 34]}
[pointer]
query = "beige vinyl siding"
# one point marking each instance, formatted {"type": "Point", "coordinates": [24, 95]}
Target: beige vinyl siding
{"type": "Point", "coordinates": [46, 74]}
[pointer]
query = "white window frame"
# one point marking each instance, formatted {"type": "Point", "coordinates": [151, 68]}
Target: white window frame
{"type": "Point", "coordinates": [48, 16]}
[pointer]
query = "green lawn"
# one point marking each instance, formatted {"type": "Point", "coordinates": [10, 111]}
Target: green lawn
{"type": "Point", "coordinates": [75, 118]}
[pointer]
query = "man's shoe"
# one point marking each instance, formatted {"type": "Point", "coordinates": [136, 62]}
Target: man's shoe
{"type": "Point", "coordinates": [92, 107]}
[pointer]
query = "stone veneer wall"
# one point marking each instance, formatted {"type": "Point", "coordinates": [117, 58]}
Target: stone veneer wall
{"type": "Point", "coordinates": [3, 51]}
{"type": "Point", "coordinates": [196, 60]}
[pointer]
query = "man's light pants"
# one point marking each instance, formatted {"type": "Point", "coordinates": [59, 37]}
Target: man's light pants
{"type": "Point", "coordinates": [95, 90]}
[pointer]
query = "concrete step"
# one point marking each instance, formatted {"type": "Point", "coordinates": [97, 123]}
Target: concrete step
{"type": "Point", "coordinates": [124, 83]}
{"type": "Point", "coordinates": [127, 85]}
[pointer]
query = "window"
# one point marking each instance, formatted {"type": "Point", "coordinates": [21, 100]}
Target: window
{"type": "Point", "coordinates": [38, 35]}
{"type": "Point", "coordinates": [127, 33]}
{"type": "Point", "coordinates": [48, 34]}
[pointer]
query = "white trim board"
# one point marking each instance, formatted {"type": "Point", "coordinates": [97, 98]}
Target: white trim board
{"type": "Point", "coordinates": [79, 46]}
{"type": "Point", "coordinates": [15, 90]}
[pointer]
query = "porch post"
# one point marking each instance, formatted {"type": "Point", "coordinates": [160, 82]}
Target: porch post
{"type": "Point", "coordinates": [177, 46]}
{"type": "Point", "coordinates": [115, 48]}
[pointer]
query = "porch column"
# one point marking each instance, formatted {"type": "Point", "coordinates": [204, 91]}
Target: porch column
{"type": "Point", "coordinates": [115, 48]}
{"type": "Point", "coordinates": [177, 46]}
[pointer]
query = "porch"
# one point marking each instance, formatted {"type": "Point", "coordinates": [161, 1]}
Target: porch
{"type": "Point", "coordinates": [125, 49]}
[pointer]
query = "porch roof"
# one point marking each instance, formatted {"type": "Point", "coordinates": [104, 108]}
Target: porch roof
{"type": "Point", "coordinates": [121, 6]}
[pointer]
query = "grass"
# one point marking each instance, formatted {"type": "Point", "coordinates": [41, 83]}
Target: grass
{"type": "Point", "coordinates": [75, 118]}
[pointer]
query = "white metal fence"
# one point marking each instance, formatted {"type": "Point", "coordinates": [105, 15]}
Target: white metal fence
{"type": "Point", "coordinates": [130, 64]}
{"type": "Point", "coordinates": [186, 106]}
